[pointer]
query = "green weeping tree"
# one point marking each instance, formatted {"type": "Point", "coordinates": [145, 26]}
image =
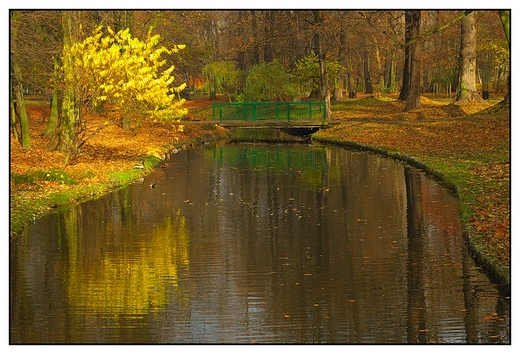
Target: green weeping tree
{"type": "Point", "coordinates": [221, 76]}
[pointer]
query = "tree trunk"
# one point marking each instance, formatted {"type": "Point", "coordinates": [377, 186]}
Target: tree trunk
{"type": "Point", "coordinates": [126, 122]}
{"type": "Point", "coordinates": [390, 73]}
{"type": "Point", "coordinates": [340, 85]}
{"type": "Point", "coordinates": [407, 69]}
{"type": "Point", "coordinates": [52, 125]}
{"type": "Point", "coordinates": [366, 73]}
{"type": "Point", "coordinates": [13, 114]}
{"type": "Point", "coordinates": [66, 137]}
{"type": "Point", "coordinates": [505, 18]}
{"type": "Point", "coordinates": [325, 94]}
{"type": "Point", "coordinates": [380, 72]}
{"type": "Point", "coordinates": [413, 100]}
{"type": "Point", "coordinates": [22, 115]}
{"type": "Point", "coordinates": [467, 91]}
{"type": "Point", "coordinates": [50, 129]}
{"type": "Point", "coordinates": [212, 94]}
{"type": "Point", "coordinates": [240, 33]}
{"type": "Point", "coordinates": [256, 50]}
{"type": "Point", "coordinates": [19, 110]}
{"type": "Point", "coordinates": [268, 36]}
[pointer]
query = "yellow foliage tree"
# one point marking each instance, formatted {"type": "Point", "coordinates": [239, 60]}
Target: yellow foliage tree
{"type": "Point", "coordinates": [126, 72]}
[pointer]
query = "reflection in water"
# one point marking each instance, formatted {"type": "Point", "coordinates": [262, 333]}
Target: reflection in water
{"type": "Point", "coordinates": [255, 243]}
{"type": "Point", "coordinates": [136, 279]}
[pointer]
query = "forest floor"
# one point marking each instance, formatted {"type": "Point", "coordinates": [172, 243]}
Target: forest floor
{"type": "Point", "coordinates": [466, 147]}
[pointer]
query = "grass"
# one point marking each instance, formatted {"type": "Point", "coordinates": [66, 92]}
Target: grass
{"type": "Point", "coordinates": [52, 175]}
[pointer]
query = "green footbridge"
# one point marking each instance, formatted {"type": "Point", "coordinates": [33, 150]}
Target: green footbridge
{"type": "Point", "coordinates": [289, 115]}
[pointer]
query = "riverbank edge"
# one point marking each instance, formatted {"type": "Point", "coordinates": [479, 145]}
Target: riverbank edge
{"type": "Point", "coordinates": [27, 212]}
{"type": "Point", "coordinates": [497, 273]}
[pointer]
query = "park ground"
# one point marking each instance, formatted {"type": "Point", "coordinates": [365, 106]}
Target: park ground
{"type": "Point", "coordinates": [464, 146]}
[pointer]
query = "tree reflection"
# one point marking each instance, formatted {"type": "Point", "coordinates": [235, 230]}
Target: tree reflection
{"type": "Point", "coordinates": [416, 326]}
{"type": "Point", "coordinates": [129, 279]}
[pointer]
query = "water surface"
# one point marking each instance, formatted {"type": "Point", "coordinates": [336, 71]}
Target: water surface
{"type": "Point", "coordinates": [257, 243]}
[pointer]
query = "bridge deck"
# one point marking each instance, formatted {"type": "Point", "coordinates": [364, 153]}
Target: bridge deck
{"type": "Point", "coordinates": [285, 115]}
{"type": "Point", "coordinates": [272, 123]}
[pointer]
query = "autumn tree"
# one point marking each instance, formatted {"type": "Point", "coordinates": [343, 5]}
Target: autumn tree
{"type": "Point", "coordinates": [441, 51]}
{"type": "Point", "coordinates": [34, 41]}
{"type": "Point", "coordinates": [18, 110]}
{"type": "Point", "coordinates": [69, 125]}
{"type": "Point", "coordinates": [378, 58]}
{"type": "Point", "coordinates": [342, 65]}
{"type": "Point", "coordinates": [468, 72]}
{"type": "Point", "coordinates": [117, 69]}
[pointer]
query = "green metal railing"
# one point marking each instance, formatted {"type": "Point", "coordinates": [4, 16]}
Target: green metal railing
{"type": "Point", "coordinates": [270, 111]}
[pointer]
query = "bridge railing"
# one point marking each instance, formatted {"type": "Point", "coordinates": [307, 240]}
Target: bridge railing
{"type": "Point", "coordinates": [270, 111]}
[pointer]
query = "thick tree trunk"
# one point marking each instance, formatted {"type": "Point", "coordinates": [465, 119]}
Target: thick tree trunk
{"type": "Point", "coordinates": [212, 94]}
{"type": "Point", "coordinates": [468, 72]}
{"type": "Point", "coordinates": [66, 137]}
{"type": "Point", "coordinates": [407, 69]}
{"type": "Point", "coordinates": [413, 100]}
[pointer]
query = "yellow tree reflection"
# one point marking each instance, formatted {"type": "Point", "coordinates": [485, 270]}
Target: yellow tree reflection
{"type": "Point", "coordinates": [134, 280]}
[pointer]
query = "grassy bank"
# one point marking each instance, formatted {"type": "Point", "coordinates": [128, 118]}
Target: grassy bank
{"type": "Point", "coordinates": [468, 153]}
